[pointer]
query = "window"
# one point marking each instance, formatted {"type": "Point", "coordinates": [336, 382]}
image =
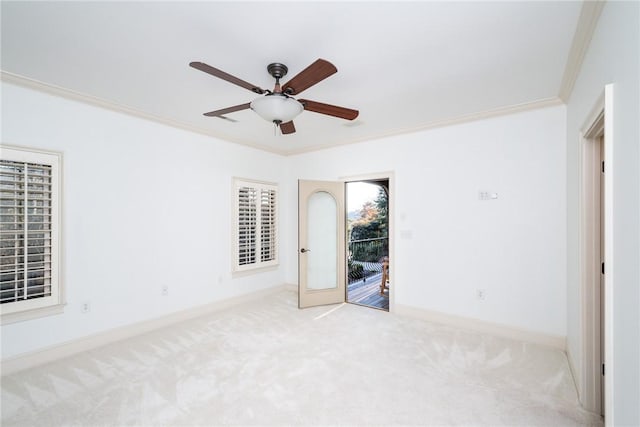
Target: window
{"type": "Point", "coordinates": [255, 225]}
{"type": "Point", "coordinates": [29, 233]}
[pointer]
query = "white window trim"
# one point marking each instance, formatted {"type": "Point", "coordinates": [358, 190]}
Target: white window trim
{"type": "Point", "coordinates": [238, 183]}
{"type": "Point", "coordinates": [53, 304]}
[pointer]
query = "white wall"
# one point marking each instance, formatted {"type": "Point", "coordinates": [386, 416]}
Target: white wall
{"type": "Point", "coordinates": [512, 247]}
{"type": "Point", "coordinates": [612, 58]}
{"type": "Point", "coordinates": [145, 205]}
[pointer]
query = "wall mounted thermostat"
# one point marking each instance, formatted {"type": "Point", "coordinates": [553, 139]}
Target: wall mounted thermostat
{"type": "Point", "coordinates": [487, 195]}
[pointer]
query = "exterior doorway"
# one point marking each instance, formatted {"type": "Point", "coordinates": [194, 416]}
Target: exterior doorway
{"type": "Point", "coordinates": [367, 248]}
{"type": "Point", "coordinates": [332, 255]}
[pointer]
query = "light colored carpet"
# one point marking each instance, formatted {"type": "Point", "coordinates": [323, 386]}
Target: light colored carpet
{"type": "Point", "coordinates": [269, 363]}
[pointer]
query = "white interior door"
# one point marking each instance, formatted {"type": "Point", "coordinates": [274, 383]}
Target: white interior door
{"type": "Point", "coordinates": [321, 243]}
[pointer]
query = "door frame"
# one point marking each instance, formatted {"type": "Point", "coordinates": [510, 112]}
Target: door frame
{"type": "Point", "coordinates": [596, 138]}
{"type": "Point", "coordinates": [390, 176]}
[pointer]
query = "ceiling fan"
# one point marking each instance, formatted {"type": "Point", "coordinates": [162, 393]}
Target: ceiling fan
{"type": "Point", "coordinates": [278, 105]}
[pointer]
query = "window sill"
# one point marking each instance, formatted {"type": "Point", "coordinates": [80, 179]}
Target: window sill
{"type": "Point", "coordinates": [34, 313]}
{"type": "Point", "coordinates": [254, 270]}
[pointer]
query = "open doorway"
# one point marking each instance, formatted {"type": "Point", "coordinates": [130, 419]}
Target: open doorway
{"type": "Point", "coordinates": [593, 235]}
{"type": "Point", "coordinates": [597, 257]}
{"type": "Point", "coordinates": [368, 262]}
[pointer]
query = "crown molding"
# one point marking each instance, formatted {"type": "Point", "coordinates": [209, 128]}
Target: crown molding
{"type": "Point", "coordinates": [119, 108]}
{"type": "Point", "coordinates": [587, 23]}
{"type": "Point", "coordinates": [480, 115]}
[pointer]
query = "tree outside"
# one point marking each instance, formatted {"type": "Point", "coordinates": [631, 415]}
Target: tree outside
{"type": "Point", "coordinates": [368, 232]}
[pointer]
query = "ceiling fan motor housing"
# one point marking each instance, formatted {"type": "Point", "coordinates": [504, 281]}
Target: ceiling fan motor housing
{"type": "Point", "coordinates": [277, 70]}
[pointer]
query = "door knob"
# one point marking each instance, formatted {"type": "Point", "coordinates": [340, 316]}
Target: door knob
{"type": "Point", "coordinates": [303, 250]}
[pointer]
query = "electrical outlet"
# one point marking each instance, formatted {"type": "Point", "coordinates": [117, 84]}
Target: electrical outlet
{"type": "Point", "coordinates": [85, 307]}
{"type": "Point", "coordinates": [481, 294]}
{"type": "Point", "coordinates": [165, 290]}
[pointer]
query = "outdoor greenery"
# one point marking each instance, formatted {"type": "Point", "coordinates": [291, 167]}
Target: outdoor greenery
{"type": "Point", "coordinates": [373, 219]}
{"type": "Point", "coordinates": [369, 232]}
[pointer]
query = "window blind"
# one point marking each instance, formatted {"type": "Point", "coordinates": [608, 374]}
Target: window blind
{"type": "Point", "coordinates": [268, 225]}
{"type": "Point", "coordinates": [255, 225]}
{"type": "Point", "coordinates": [247, 223]}
{"type": "Point", "coordinates": [25, 231]}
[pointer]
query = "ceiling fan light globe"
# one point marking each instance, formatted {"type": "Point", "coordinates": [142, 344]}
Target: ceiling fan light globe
{"type": "Point", "coordinates": [276, 107]}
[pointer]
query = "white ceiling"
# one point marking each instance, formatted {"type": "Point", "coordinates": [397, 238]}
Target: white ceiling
{"type": "Point", "coordinates": [404, 65]}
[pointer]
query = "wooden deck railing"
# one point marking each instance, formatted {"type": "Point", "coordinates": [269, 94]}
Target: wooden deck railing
{"type": "Point", "coordinates": [365, 257]}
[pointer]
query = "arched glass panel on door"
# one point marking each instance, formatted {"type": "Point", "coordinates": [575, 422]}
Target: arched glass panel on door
{"type": "Point", "coordinates": [322, 264]}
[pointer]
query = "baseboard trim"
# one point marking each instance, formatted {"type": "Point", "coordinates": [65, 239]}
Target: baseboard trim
{"type": "Point", "coordinates": [291, 287]}
{"type": "Point", "coordinates": [476, 325]}
{"type": "Point", "coordinates": [59, 351]}
{"type": "Point", "coordinates": [576, 379]}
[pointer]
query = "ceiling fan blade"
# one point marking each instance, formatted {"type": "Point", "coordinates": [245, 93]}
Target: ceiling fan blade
{"type": "Point", "coordinates": [330, 110]}
{"type": "Point", "coordinates": [219, 113]}
{"type": "Point", "coordinates": [225, 76]}
{"type": "Point", "coordinates": [287, 128]}
{"type": "Point", "coordinates": [311, 75]}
